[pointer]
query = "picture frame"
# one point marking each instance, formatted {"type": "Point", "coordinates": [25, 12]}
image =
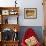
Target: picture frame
{"type": "Point", "coordinates": [12, 12]}
{"type": "Point", "coordinates": [5, 12]}
{"type": "Point", "coordinates": [30, 13]}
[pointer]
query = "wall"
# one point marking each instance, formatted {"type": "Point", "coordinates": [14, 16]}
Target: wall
{"type": "Point", "coordinates": [36, 23]}
{"type": "Point", "coordinates": [32, 4]}
{"type": "Point", "coordinates": [26, 4]}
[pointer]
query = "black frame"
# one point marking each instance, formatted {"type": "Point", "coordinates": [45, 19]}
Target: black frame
{"type": "Point", "coordinates": [30, 9]}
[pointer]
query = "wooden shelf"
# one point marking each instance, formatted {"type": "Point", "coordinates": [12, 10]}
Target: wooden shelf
{"type": "Point", "coordinates": [4, 13]}
{"type": "Point", "coordinates": [10, 26]}
{"type": "Point", "coordinates": [11, 41]}
{"type": "Point", "coordinates": [10, 9]}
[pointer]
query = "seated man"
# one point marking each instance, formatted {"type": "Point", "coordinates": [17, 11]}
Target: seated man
{"type": "Point", "coordinates": [30, 38]}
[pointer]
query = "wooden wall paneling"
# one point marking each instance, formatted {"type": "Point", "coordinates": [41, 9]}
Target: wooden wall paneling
{"type": "Point", "coordinates": [44, 7]}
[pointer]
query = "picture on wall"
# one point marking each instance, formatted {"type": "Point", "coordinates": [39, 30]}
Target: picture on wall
{"type": "Point", "coordinates": [5, 12]}
{"type": "Point", "coordinates": [30, 13]}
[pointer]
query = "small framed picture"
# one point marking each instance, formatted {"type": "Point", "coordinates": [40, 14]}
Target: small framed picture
{"type": "Point", "coordinates": [30, 13]}
{"type": "Point", "coordinates": [5, 12]}
{"type": "Point", "coordinates": [12, 12]}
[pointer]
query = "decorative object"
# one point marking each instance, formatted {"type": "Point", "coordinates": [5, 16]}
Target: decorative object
{"type": "Point", "coordinates": [30, 38]}
{"type": "Point", "coordinates": [13, 12]}
{"type": "Point", "coordinates": [7, 34]}
{"type": "Point", "coordinates": [15, 3]}
{"type": "Point", "coordinates": [30, 13]}
{"type": "Point", "coordinates": [15, 30]}
{"type": "Point", "coordinates": [5, 12]}
{"type": "Point", "coordinates": [6, 21]}
{"type": "Point", "coordinates": [15, 37]}
{"type": "Point", "coordinates": [31, 41]}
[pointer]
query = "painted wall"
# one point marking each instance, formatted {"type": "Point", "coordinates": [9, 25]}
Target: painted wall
{"type": "Point", "coordinates": [27, 22]}
{"type": "Point", "coordinates": [26, 4]}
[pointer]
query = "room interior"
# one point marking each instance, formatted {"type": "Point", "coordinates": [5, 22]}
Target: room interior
{"type": "Point", "coordinates": [16, 16]}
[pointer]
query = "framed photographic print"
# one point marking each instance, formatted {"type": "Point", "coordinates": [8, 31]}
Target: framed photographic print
{"type": "Point", "coordinates": [12, 12]}
{"type": "Point", "coordinates": [30, 13]}
{"type": "Point", "coordinates": [5, 12]}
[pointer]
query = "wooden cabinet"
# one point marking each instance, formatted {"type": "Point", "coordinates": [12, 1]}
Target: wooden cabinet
{"type": "Point", "coordinates": [6, 12]}
{"type": "Point", "coordinates": [7, 28]}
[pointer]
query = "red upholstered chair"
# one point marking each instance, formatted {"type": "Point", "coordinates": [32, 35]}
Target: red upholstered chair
{"type": "Point", "coordinates": [28, 34]}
